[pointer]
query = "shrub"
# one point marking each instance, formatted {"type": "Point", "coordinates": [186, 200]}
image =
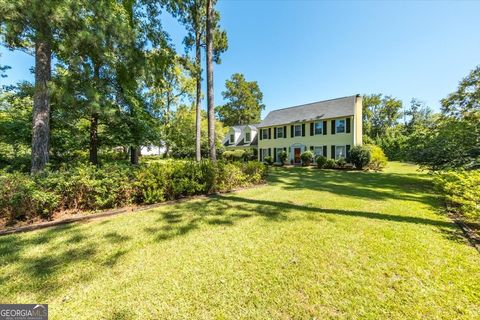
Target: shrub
{"type": "Point", "coordinates": [378, 160]}
{"type": "Point", "coordinates": [341, 162]}
{"type": "Point", "coordinates": [330, 164]}
{"type": "Point", "coordinates": [283, 157]}
{"type": "Point", "coordinates": [461, 190]}
{"type": "Point", "coordinates": [321, 162]}
{"type": "Point", "coordinates": [268, 160]}
{"type": "Point", "coordinates": [359, 156]}
{"type": "Point", "coordinates": [307, 158]}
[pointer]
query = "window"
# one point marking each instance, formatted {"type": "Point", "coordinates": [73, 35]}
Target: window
{"type": "Point", "coordinates": [340, 126]}
{"type": "Point", "coordinates": [232, 138]}
{"type": "Point", "coordinates": [265, 133]}
{"type": "Point", "coordinates": [280, 132]}
{"type": "Point", "coordinates": [264, 154]}
{"type": "Point", "coordinates": [318, 151]}
{"type": "Point", "coordinates": [247, 136]}
{"type": "Point", "coordinates": [318, 127]}
{"type": "Point", "coordinates": [298, 130]}
{"type": "Point", "coordinates": [340, 152]}
{"type": "Point", "coordinates": [279, 150]}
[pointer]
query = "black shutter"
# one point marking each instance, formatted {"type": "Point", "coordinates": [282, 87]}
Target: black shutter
{"type": "Point", "coordinates": [261, 134]}
{"type": "Point", "coordinates": [333, 151]}
{"type": "Point", "coordinates": [325, 128]}
{"type": "Point", "coordinates": [285, 131]}
{"type": "Point", "coordinates": [291, 131]}
{"type": "Point", "coordinates": [333, 126]}
{"type": "Point", "coordinates": [303, 129]}
{"type": "Point", "coordinates": [269, 133]}
{"type": "Point", "coordinates": [285, 149]}
{"type": "Point", "coordinates": [274, 154]}
{"type": "Point", "coordinates": [348, 125]}
{"type": "Point", "coordinates": [269, 152]}
{"type": "Point", "coordinates": [274, 133]}
{"type": "Point", "coordinates": [311, 148]}
{"type": "Point", "coordinates": [325, 151]}
{"type": "Point", "coordinates": [311, 129]}
{"type": "Point", "coordinates": [348, 151]}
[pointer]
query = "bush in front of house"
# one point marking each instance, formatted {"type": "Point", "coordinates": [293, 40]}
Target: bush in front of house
{"type": "Point", "coordinates": [87, 187]}
{"type": "Point", "coordinates": [461, 190]}
{"type": "Point", "coordinates": [307, 158]}
{"type": "Point", "coordinates": [268, 160]}
{"type": "Point", "coordinates": [340, 162]}
{"type": "Point", "coordinates": [378, 160]}
{"type": "Point", "coordinates": [283, 157]}
{"type": "Point", "coordinates": [330, 164]}
{"type": "Point", "coordinates": [359, 156]}
{"type": "Point", "coordinates": [321, 162]}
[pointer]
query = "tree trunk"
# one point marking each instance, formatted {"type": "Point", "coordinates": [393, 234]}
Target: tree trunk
{"type": "Point", "coordinates": [198, 111]}
{"type": "Point", "coordinates": [41, 106]}
{"type": "Point", "coordinates": [211, 110]}
{"type": "Point", "coordinates": [134, 154]}
{"type": "Point", "coordinates": [94, 139]}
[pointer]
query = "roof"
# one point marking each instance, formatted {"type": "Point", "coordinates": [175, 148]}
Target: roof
{"type": "Point", "coordinates": [326, 109]}
{"type": "Point", "coordinates": [241, 142]}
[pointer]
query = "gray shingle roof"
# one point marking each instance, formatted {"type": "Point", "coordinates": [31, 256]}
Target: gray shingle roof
{"type": "Point", "coordinates": [333, 108]}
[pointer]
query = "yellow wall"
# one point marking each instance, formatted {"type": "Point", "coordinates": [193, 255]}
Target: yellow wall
{"type": "Point", "coordinates": [316, 140]}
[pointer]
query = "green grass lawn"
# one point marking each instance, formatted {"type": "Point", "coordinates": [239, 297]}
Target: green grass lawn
{"type": "Point", "coordinates": [310, 244]}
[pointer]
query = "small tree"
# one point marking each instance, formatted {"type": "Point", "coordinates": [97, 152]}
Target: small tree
{"type": "Point", "coordinates": [321, 162]}
{"type": "Point", "coordinates": [378, 159]}
{"type": "Point", "coordinates": [268, 160]}
{"type": "Point", "coordinates": [307, 158]}
{"type": "Point", "coordinates": [359, 156]}
{"type": "Point", "coordinates": [283, 157]}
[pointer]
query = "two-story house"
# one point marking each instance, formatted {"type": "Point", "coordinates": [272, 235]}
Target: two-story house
{"type": "Point", "coordinates": [241, 137]}
{"type": "Point", "coordinates": [329, 128]}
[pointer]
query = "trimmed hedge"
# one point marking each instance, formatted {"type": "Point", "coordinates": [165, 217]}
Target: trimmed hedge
{"type": "Point", "coordinates": [86, 187]}
{"type": "Point", "coordinates": [461, 190]}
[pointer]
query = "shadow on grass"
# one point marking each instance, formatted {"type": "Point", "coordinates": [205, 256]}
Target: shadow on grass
{"type": "Point", "coordinates": [76, 246]}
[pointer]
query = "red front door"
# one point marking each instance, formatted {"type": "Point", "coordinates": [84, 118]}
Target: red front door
{"type": "Point", "coordinates": [297, 152]}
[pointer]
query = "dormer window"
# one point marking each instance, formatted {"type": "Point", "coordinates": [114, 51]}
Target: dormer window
{"type": "Point", "coordinates": [232, 138]}
{"type": "Point", "coordinates": [247, 136]}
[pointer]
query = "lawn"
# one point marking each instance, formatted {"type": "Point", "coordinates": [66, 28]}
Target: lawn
{"type": "Point", "coordinates": [310, 244]}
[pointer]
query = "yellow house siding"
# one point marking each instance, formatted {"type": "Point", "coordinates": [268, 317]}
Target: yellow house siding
{"type": "Point", "coordinates": [337, 139]}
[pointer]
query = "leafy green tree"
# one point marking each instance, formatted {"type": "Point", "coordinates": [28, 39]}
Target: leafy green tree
{"type": "Point", "coordinates": [380, 113]}
{"type": "Point", "coordinates": [465, 101]}
{"type": "Point", "coordinates": [33, 26]}
{"type": "Point", "coordinates": [419, 115]}
{"type": "Point", "coordinates": [244, 104]}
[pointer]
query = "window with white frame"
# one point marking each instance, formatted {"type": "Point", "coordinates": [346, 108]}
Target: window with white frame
{"type": "Point", "coordinates": [279, 150]}
{"type": "Point", "coordinates": [247, 136]}
{"type": "Point", "coordinates": [265, 133]}
{"type": "Point", "coordinates": [340, 126]}
{"type": "Point", "coordinates": [340, 152]}
{"type": "Point", "coordinates": [318, 151]}
{"type": "Point", "coordinates": [232, 138]}
{"type": "Point", "coordinates": [319, 127]}
{"type": "Point", "coordinates": [280, 133]}
{"type": "Point", "coordinates": [298, 130]}
{"type": "Point", "coordinates": [264, 153]}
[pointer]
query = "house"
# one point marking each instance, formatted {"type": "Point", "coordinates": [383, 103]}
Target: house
{"type": "Point", "coordinates": [328, 128]}
{"type": "Point", "coordinates": [241, 137]}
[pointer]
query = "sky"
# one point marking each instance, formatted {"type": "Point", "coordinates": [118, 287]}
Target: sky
{"type": "Point", "coordinates": [306, 51]}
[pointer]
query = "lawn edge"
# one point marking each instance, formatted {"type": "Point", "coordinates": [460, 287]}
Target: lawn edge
{"type": "Point", "coordinates": [114, 212]}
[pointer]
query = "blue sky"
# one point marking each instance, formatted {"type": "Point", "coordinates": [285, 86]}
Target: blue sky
{"type": "Point", "coordinates": [305, 51]}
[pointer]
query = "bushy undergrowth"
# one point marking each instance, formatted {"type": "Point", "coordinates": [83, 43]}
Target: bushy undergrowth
{"type": "Point", "coordinates": [461, 190]}
{"type": "Point", "coordinates": [86, 187]}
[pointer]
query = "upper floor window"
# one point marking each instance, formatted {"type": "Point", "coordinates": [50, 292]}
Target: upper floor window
{"type": "Point", "coordinates": [232, 138]}
{"type": "Point", "coordinates": [298, 130]}
{"type": "Point", "coordinates": [247, 137]}
{"type": "Point", "coordinates": [280, 133]}
{"type": "Point", "coordinates": [340, 126]}
{"type": "Point", "coordinates": [264, 133]}
{"type": "Point", "coordinates": [318, 127]}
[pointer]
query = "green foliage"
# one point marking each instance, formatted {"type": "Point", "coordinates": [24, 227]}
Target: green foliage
{"type": "Point", "coordinates": [321, 162]}
{"type": "Point", "coordinates": [283, 157]}
{"type": "Point", "coordinates": [340, 162]}
{"type": "Point", "coordinates": [238, 155]}
{"type": "Point", "coordinates": [380, 113]}
{"type": "Point", "coordinates": [330, 164]}
{"type": "Point", "coordinates": [461, 190]}
{"type": "Point", "coordinates": [244, 104]}
{"type": "Point", "coordinates": [268, 160]}
{"type": "Point", "coordinates": [307, 157]}
{"type": "Point", "coordinates": [378, 160]}
{"type": "Point", "coordinates": [359, 156]}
